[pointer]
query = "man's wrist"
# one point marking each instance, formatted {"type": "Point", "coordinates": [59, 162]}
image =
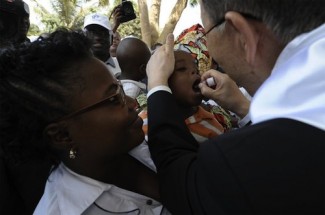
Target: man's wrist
{"type": "Point", "coordinates": [158, 88]}
{"type": "Point", "coordinates": [155, 83]}
{"type": "Point", "coordinates": [245, 121]}
{"type": "Point", "coordinates": [241, 109]}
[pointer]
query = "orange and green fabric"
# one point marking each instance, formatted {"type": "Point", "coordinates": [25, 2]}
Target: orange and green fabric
{"type": "Point", "coordinates": [192, 41]}
{"type": "Point", "coordinates": [202, 125]}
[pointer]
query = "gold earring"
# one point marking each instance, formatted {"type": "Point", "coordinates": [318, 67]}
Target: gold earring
{"type": "Point", "coordinates": [72, 153]}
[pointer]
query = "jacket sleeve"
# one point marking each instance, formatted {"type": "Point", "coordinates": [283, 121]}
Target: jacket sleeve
{"type": "Point", "coordinates": [174, 151]}
{"type": "Point", "coordinates": [274, 167]}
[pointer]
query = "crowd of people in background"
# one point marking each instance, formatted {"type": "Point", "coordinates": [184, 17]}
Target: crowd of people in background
{"type": "Point", "coordinates": [92, 123]}
{"type": "Point", "coordinates": [14, 22]}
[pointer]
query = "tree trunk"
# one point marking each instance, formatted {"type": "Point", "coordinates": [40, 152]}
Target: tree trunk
{"type": "Point", "coordinates": [154, 15]}
{"type": "Point", "coordinates": [173, 19]}
{"type": "Point", "coordinates": [144, 22]}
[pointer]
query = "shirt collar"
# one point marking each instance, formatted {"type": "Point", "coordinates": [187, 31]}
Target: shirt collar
{"type": "Point", "coordinates": [76, 193]}
{"type": "Point", "coordinates": [111, 62]}
{"type": "Point", "coordinates": [295, 88]}
{"type": "Point", "coordinates": [73, 186]}
{"type": "Point", "coordinates": [137, 83]}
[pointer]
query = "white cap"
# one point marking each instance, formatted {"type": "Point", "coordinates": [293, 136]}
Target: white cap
{"type": "Point", "coordinates": [97, 19]}
{"type": "Point", "coordinates": [26, 8]}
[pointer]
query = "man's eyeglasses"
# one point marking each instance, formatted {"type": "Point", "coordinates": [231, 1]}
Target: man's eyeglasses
{"type": "Point", "coordinates": [208, 31]}
{"type": "Point", "coordinates": [202, 39]}
{"type": "Point", "coordinates": [246, 15]}
{"type": "Point", "coordinates": [117, 98]}
{"type": "Point", "coordinates": [215, 65]}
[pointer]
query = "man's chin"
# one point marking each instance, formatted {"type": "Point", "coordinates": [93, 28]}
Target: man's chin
{"type": "Point", "coordinates": [101, 54]}
{"type": "Point", "coordinates": [98, 49]}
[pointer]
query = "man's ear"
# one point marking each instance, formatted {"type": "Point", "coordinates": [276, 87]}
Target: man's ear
{"type": "Point", "coordinates": [58, 136]}
{"type": "Point", "coordinates": [248, 34]}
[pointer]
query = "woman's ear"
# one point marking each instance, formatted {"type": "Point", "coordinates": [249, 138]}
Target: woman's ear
{"type": "Point", "coordinates": [58, 135]}
{"type": "Point", "coordinates": [142, 70]}
{"type": "Point", "coordinates": [248, 34]}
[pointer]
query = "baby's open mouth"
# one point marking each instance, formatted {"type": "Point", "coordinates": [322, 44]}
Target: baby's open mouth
{"type": "Point", "coordinates": [195, 86]}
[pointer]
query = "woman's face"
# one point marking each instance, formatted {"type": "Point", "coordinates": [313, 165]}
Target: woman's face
{"type": "Point", "coordinates": [110, 129]}
{"type": "Point", "coordinates": [185, 80]}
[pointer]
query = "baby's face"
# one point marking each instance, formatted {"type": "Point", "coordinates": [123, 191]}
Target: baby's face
{"type": "Point", "coordinates": [185, 80]}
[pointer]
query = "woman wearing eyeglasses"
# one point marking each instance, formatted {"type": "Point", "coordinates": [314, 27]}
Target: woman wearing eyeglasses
{"type": "Point", "coordinates": [60, 104]}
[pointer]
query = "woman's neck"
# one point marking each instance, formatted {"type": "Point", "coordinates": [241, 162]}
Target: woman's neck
{"type": "Point", "coordinates": [126, 173]}
{"type": "Point", "coordinates": [134, 176]}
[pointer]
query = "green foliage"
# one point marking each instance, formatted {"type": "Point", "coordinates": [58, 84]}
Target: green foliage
{"type": "Point", "coordinates": [33, 30]}
{"type": "Point", "coordinates": [71, 13]}
{"type": "Point", "coordinates": [193, 3]}
{"type": "Point", "coordinates": [130, 28]}
{"type": "Point", "coordinates": [66, 13]}
{"type": "Point", "coordinates": [103, 3]}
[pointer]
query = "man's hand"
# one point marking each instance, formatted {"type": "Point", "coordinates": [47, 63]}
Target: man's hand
{"type": "Point", "coordinates": [226, 92]}
{"type": "Point", "coordinates": [161, 64]}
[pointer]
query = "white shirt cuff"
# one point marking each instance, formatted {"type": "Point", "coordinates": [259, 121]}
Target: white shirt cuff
{"type": "Point", "coordinates": [246, 120]}
{"type": "Point", "coordinates": [159, 88]}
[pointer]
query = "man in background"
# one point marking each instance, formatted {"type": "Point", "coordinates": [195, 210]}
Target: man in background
{"type": "Point", "coordinates": [14, 22]}
{"type": "Point", "coordinates": [99, 30]}
{"type": "Point", "coordinates": [274, 166]}
{"type": "Point", "coordinates": [116, 41]}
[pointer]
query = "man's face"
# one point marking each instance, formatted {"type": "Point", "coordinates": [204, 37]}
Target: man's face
{"type": "Point", "coordinates": [8, 26]}
{"type": "Point", "coordinates": [221, 43]}
{"type": "Point", "coordinates": [101, 41]}
{"type": "Point", "coordinates": [23, 27]}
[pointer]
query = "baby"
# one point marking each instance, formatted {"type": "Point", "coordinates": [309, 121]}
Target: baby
{"type": "Point", "coordinates": [183, 83]}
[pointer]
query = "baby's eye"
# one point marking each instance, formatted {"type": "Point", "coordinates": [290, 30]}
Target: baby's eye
{"type": "Point", "coordinates": [180, 69]}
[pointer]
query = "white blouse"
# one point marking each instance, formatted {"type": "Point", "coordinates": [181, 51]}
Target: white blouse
{"type": "Point", "coordinates": [67, 192]}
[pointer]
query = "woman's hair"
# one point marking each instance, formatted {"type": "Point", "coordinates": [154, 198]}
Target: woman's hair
{"type": "Point", "coordinates": [36, 83]}
{"type": "Point", "coordinates": [8, 28]}
{"type": "Point", "coordinates": [286, 18]}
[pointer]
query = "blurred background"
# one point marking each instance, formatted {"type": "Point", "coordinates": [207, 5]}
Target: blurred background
{"type": "Point", "coordinates": [155, 18]}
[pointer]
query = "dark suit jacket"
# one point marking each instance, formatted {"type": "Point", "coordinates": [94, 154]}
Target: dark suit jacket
{"type": "Point", "coordinates": [274, 167]}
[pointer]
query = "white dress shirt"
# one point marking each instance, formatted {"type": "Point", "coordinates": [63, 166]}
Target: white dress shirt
{"type": "Point", "coordinates": [133, 88]}
{"type": "Point", "coordinates": [113, 66]}
{"type": "Point", "coordinates": [296, 87]}
{"type": "Point", "coordinates": [67, 192]}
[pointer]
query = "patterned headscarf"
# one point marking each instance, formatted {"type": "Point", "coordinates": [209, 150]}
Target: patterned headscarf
{"type": "Point", "coordinates": [191, 41]}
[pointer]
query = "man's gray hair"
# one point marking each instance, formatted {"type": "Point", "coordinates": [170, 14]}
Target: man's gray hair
{"type": "Point", "coordinates": [286, 18]}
